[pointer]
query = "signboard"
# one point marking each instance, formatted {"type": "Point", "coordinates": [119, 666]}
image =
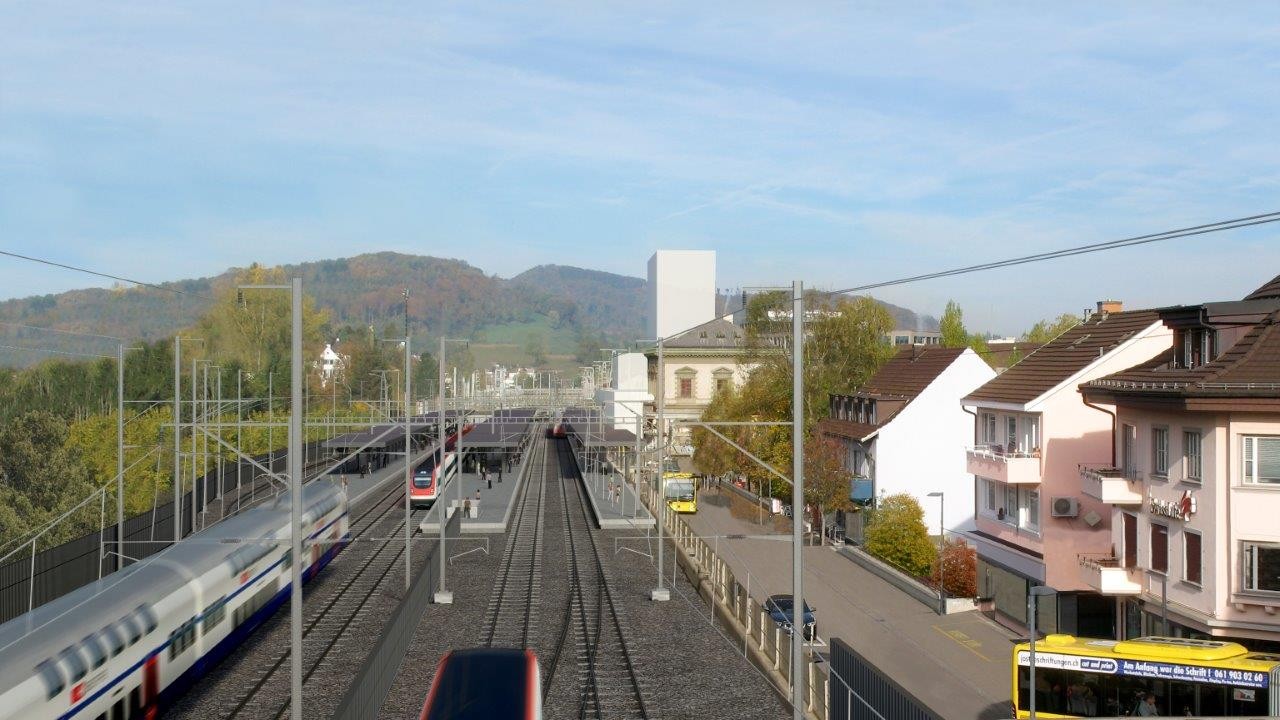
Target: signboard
{"type": "Point", "coordinates": [1147, 669]}
{"type": "Point", "coordinates": [1181, 509]}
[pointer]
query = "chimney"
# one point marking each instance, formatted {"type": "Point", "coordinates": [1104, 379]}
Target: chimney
{"type": "Point", "coordinates": [1110, 306]}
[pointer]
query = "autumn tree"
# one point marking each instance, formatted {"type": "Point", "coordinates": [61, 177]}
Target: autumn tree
{"type": "Point", "coordinates": [1046, 330]}
{"type": "Point", "coordinates": [826, 481]}
{"type": "Point", "coordinates": [896, 534]}
{"type": "Point", "coordinates": [956, 566]}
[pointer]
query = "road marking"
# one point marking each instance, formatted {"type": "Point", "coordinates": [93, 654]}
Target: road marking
{"type": "Point", "coordinates": [964, 640]}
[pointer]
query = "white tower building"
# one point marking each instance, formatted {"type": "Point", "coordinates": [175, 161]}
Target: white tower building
{"type": "Point", "coordinates": [682, 290]}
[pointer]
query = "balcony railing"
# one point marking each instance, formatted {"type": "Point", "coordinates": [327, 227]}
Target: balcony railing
{"type": "Point", "coordinates": [994, 463]}
{"type": "Point", "coordinates": [1115, 486]}
{"type": "Point", "coordinates": [1108, 575]}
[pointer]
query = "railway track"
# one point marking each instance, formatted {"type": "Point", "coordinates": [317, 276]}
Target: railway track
{"type": "Point", "coordinates": [510, 619]}
{"type": "Point", "coordinates": [608, 686]}
{"type": "Point", "coordinates": [327, 621]}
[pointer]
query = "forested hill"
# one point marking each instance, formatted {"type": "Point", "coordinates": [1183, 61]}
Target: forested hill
{"type": "Point", "coordinates": [448, 297]}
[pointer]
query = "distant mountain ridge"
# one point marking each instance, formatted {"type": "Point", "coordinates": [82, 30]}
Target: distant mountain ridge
{"type": "Point", "coordinates": [447, 297]}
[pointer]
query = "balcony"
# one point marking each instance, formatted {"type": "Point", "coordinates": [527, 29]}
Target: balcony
{"type": "Point", "coordinates": [1013, 468]}
{"type": "Point", "coordinates": [1108, 576]}
{"type": "Point", "coordinates": [1113, 486]}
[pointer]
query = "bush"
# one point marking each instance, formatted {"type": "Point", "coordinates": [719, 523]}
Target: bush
{"type": "Point", "coordinates": [959, 564]}
{"type": "Point", "coordinates": [896, 534]}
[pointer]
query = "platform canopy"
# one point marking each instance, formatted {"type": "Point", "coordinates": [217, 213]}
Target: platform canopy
{"type": "Point", "coordinates": [593, 431]}
{"type": "Point", "coordinates": [422, 426]}
{"type": "Point", "coordinates": [504, 430]}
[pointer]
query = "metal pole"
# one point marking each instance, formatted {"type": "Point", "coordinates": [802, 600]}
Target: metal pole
{"type": "Point", "coordinates": [408, 471]}
{"type": "Point", "coordinates": [942, 567]}
{"type": "Point", "coordinates": [271, 423]}
{"type": "Point", "coordinates": [194, 472]}
{"type": "Point", "coordinates": [443, 596]}
{"type": "Point", "coordinates": [177, 438]}
{"type": "Point", "coordinates": [295, 509]}
{"type": "Point", "coordinates": [119, 456]}
{"type": "Point", "coordinates": [1031, 682]}
{"type": "Point", "coordinates": [660, 593]}
{"type": "Point", "coordinates": [797, 498]}
{"type": "Point", "coordinates": [218, 407]}
{"type": "Point", "coordinates": [239, 429]}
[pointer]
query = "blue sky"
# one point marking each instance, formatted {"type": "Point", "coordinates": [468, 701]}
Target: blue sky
{"type": "Point", "coordinates": [836, 143]}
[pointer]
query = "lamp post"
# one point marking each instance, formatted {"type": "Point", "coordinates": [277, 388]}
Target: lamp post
{"type": "Point", "coordinates": [294, 461]}
{"type": "Point", "coordinates": [942, 546]}
{"type": "Point", "coordinates": [442, 596]}
{"type": "Point", "coordinates": [660, 593]}
{"type": "Point", "coordinates": [1035, 592]}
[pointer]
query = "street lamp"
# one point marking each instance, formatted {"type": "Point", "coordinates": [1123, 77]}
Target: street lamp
{"type": "Point", "coordinates": [443, 596]}
{"type": "Point", "coordinates": [294, 460]}
{"type": "Point", "coordinates": [942, 546]}
{"type": "Point", "coordinates": [1035, 592]}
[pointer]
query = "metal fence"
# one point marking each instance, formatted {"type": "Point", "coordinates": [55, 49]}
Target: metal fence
{"type": "Point", "coordinates": [860, 691]}
{"type": "Point", "coordinates": [30, 580]}
{"type": "Point", "coordinates": [368, 690]}
{"type": "Point", "coordinates": [770, 645]}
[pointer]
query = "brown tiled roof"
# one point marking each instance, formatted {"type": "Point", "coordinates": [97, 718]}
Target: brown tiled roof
{"type": "Point", "coordinates": [1270, 290]}
{"type": "Point", "coordinates": [1064, 356]}
{"type": "Point", "coordinates": [902, 378]}
{"type": "Point", "coordinates": [909, 372]}
{"type": "Point", "coordinates": [1250, 368]}
{"type": "Point", "coordinates": [846, 428]}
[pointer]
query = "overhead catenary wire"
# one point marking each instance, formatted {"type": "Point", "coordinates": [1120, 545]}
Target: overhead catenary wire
{"type": "Point", "coordinates": [108, 276]}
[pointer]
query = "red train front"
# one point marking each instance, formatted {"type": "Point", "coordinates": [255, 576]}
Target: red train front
{"type": "Point", "coordinates": [424, 487]}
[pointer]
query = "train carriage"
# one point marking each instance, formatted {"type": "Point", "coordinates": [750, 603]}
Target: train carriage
{"type": "Point", "coordinates": [127, 645]}
{"type": "Point", "coordinates": [430, 474]}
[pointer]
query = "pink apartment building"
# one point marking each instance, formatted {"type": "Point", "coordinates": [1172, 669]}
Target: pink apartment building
{"type": "Point", "coordinates": [1193, 488]}
{"type": "Point", "coordinates": [1033, 430]}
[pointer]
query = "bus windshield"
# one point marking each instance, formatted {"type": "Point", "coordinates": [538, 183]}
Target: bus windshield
{"type": "Point", "coordinates": [679, 489]}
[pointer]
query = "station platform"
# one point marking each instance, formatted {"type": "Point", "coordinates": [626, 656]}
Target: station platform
{"type": "Point", "coordinates": [496, 499]}
{"type": "Point", "coordinates": [614, 503]}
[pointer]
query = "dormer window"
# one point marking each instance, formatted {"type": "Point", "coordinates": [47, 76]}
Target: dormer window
{"type": "Point", "coordinates": [1197, 348]}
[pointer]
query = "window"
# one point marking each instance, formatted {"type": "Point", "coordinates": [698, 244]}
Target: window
{"type": "Point", "coordinates": [1029, 509]}
{"type": "Point", "coordinates": [75, 664]}
{"type": "Point", "coordinates": [1128, 433]}
{"type": "Point", "coordinates": [1011, 434]}
{"type": "Point", "coordinates": [686, 387]}
{"type": "Point", "coordinates": [1191, 455]}
{"type": "Point", "coordinates": [989, 428]}
{"type": "Point", "coordinates": [53, 683]}
{"type": "Point", "coordinates": [1191, 556]}
{"type": "Point", "coordinates": [1261, 567]}
{"type": "Point", "coordinates": [111, 635]}
{"type": "Point", "coordinates": [721, 384]}
{"type": "Point", "coordinates": [131, 628]}
{"type": "Point", "coordinates": [871, 412]}
{"type": "Point", "coordinates": [989, 494]}
{"type": "Point", "coordinates": [1262, 460]}
{"type": "Point", "coordinates": [1160, 451]}
{"type": "Point", "coordinates": [1159, 548]}
{"type": "Point", "coordinates": [1011, 504]}
{"type": "Point", "coordinates": [214, 615]}
{"type": "Point", "coordinates": [97, 653]}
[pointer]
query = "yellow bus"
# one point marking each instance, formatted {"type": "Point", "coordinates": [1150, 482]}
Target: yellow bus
{"type": "Point", "coordinates": [1080, 677]}
{"type": "Point", "coordinates": [680, 492]}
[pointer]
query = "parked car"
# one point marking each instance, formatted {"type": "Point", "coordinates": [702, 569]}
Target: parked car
{"type": "Point", "coordinates": [780, 609]}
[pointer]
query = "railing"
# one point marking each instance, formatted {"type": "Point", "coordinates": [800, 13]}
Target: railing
{"type": "Point", "coordinates": [1103, 471]}
{"type": "Point", "coordinates": [771, 644]}
{"type": "Point", "coordinates": [997, 452]}
{"type": "Point", "coordinates": [1097, 561]}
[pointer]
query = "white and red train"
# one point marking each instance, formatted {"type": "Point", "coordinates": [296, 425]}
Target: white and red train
{"type": "Point", "coordinates": [424, 486]}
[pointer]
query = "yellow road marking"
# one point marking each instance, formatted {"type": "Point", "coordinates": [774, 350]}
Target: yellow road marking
{"type": "Point", "coordinates": [964, 641]}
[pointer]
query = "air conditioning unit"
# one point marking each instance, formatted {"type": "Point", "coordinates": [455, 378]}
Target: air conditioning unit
{"type": "Point", "coordinates": [1067, 507]}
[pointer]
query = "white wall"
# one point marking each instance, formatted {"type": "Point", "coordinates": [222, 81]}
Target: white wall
{"type": "Point", "coordinates": [631, 372]}
{"type": "Point", "coordinates": [682, 290]}
{"type": "Point", "coordinates": [923, 449]}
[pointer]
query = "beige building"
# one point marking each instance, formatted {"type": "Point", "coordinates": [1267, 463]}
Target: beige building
{"type": "Point", "coordinates": [697, 364]}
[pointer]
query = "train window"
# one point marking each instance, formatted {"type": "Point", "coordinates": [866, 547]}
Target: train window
{"type": "Point", "coordinates": [97, 653]}
{"type": "Point", "coordinates": [113, 639]}
{"type": "Point", "coordinates": [53, 683]}
{"type": "Point", "coordinates": [75, 664]}
{"type": "Point", "coordinates": [173, 644]}
{"type": "Point", "coordinates": [288, 559]}
{"type": "Point", "coordinates": [131, 628]}
{"type": "Point", "coordinates": [214, 614]}
{"type": "Point", "coordinates": [148, 617]}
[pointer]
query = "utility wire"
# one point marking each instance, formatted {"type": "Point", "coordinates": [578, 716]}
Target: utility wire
{"type": "Point", "coordinates": [60, 332]}
{"type": "Point", "coordinates": [1077, 250]}
{"type": "Point", "coordinates": [56, 352]}
{"type": "Point", "coordinates": [109, 276]}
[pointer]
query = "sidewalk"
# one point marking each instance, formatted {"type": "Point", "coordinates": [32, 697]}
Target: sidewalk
{"type": "Point", "coordinates": [958, 665]}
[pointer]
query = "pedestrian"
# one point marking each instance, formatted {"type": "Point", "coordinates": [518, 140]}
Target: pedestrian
{"type": "Point", "coordinates": [1147, 707]}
